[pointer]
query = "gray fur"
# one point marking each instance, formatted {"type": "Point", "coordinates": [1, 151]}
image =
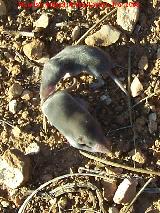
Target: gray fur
{"type": "Point", "coordinates": [75, 123]}
{"type": "Point", "coordinates": [74, 60]}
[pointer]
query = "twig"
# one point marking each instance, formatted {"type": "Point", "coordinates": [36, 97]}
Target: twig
{"type": "Point", "coordinates": [149, 96]}
{"type": "Point", "coordinates": [21, 33]}
{"type": "Point", "coordinates": [6, 122]}
{"type": "Point", "coordinates": [110, 163]}
{"type": "Point", "coordinates": [137, 195]}
{"type": "Point", "coordinates": [121, 128]}
{"type": "Point", "coordinates": [70, 23]}
{"type": "Point", "coordinates": [102, 19]}
{"type": "Point", "coordinates": [44, 123]}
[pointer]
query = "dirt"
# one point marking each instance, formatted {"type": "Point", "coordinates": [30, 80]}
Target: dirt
{"type": "Point", "coordinates": [56, 157]}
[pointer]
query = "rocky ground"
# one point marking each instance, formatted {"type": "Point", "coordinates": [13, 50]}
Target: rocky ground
{"type": "Point", "coordinates": [29, 37]}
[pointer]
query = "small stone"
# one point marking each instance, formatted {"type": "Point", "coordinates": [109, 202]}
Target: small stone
{"type": "Point", "coordinates": [34, 49]}
{"type": "Point", "coordinates": [158, 163]}
{"type": "Point", "coordinates": [32, 149]}
{"type": "Point", "coordinates": [42, 22]}
{"type": "Point", "coordinates": [14, 168]}
{"type": "Point", "coordinates": [138, 156]}
{"type": "Point", "coordinates": [127, 16]}
{"type": "Point", "coordinates": [136, 87]}
{"type": "Point", "coordinates": [3, 9]}
{"type": "Point", "coordinates": [16, 131]}
{"type": "Point", "coordinates": [143, 63]}
{"type": "Point", "coordinates": [14, 70]}
{"type": "Point", "coordinates": [26, 95]}
{"type": "Point", "coordinates": [13, 106]}
{"type": "Point", "coordinates": [4, 203]}
{"type": "Point", "coordinates": [106, 99]}
{"type": "Point", "coordinates": [75, 33]}
{"type": "Point", "coordinates": [152, 123]}
{"type": "Point", "coordinates": [24, 114]}
{"type": "Point", "coordinates": [109, 187]}
{"type": "Point", "coordinates": [15, 90]}
{"type": "Point", "coordinates": [126, 191]}
{"type": "Point", "coordinates": [106, 36]}
{"type": "Point", "coordinates": [113, 210]}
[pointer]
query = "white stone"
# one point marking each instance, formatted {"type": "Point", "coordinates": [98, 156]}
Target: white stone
{"type": "Point", "coordinates": [32, 149]}
{"type": "Point", "coordinates": [136, 87]}
{"type": "Point", "coordinates": [126, 191]}
{"type": "Point", "coordinates": [13, 106]}
{"type": "Point", "coordinates": [14, 169]}
{"type": "Point", "coordinates": [127, 17]}
{"type": "Point", "coordinates": [106, 36]}
{"type": "Point", "coordinates": [42, 21]}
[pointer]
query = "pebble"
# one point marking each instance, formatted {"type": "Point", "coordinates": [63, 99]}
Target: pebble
{"type": "Point", "coordinates": [143, 63]}
{"type": "Point", "coordinates": [138, 156]}
{"type": "Point", "coordinates": [14, 168]}
{"type": "Point", "coordinates": [15, 90]}
{"type": "Point", "coordinates": [24, 114]}
{"type": "Point", "coordinates": [109, 188]}
{"type": "Point", "coordinates": [152, 122]}
{"type": "Point", "coordinates": [126, 191]}
{"type": "Point", "coordinates": [26, 95]}
{"type": "Point", "coordinates": [3, 9]}
{"type": "Point", "coordinates": [158, 163]}
{"type": "Point", "coordinates": [34, 49]}
{"type": "Point", "coordinates": [106, 36]}
{"type": "Point", "coordinates": [4, 203]}
{"type": "Point", "coordinates": [42, 22]}
{"type": "Point", "coordinates": [16, 131]}
{"type": "Point", "coordinates": [127, 17]}
{"type": "Point", "coordinates": [32, 149]}
{"type": "Point", "coordinates": [76, 33]}
{"type": "Point", "coordinates": [136, 87]}
{"type": "Point", "coordinates": [13, 106]}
